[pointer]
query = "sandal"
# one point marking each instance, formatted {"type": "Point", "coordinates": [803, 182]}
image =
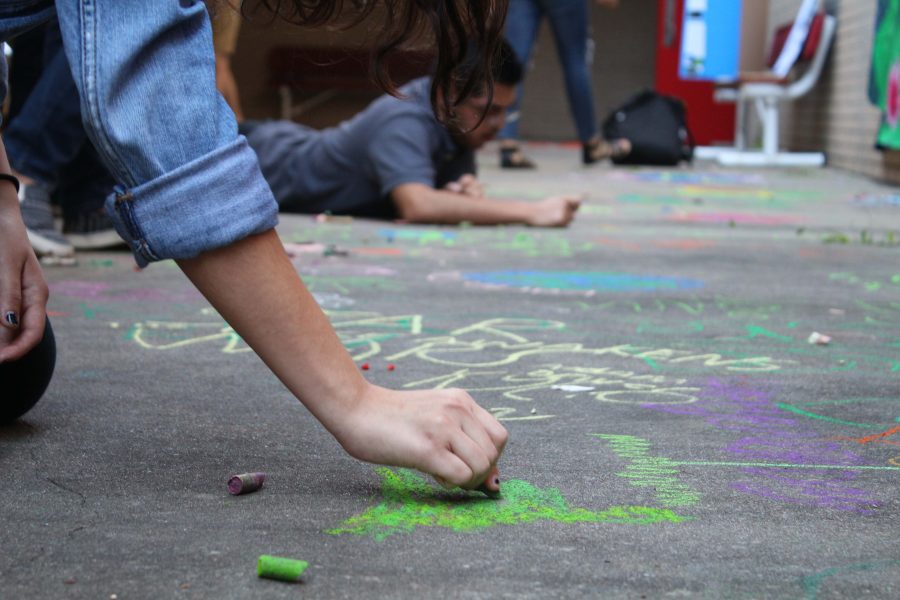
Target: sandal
{"type": "Point", "coordinates": [512, 158]}
{"type": "Point", "coordinates": [599, 149]}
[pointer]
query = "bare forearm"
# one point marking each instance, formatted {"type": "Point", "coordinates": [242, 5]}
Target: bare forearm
{"type": "Point", "coordinates": [441, 207]}
{"type": "Point", "coordinates": [255, 288]}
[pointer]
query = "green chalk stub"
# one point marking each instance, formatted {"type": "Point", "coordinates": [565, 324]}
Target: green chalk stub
{"type": "Point", "coordinates": [489, 493]}
{"type": "Point", "coordinates": [282, 569]}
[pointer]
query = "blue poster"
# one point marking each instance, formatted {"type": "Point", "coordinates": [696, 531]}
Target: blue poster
{"type": "Point", "coordinates": [710, 40]}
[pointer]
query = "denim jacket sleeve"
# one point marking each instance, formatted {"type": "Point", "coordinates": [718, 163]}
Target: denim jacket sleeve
{"type": "Point", "coordinates": [145, 73]}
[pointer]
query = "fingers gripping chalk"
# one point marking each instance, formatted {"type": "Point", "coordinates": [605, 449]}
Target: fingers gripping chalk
{"type": "Point", "coordinates": [484, 489]}
{"type": "Point", "coordinates": [282, 569]}
{"type": "Point", "coordinates": [245, 483]}
{"type": "Point", "coordinates": [487, 492]}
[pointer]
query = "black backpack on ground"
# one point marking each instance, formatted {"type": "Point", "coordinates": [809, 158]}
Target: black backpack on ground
{"type": "Point", "coordinates": [656, 126]}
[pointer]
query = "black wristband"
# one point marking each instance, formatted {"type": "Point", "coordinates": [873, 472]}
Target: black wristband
{"type": "Point", "coordinates": [10, 178]}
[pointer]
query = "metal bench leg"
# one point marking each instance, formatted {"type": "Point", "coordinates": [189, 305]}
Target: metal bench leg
{"type": "Point", "coordinates": [740, 125]}
{"type": "Point", "coordinates": [770, 126]}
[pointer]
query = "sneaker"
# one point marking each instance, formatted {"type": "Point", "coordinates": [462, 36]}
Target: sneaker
{"type": "Point", "coordinates": [34, 202]}
{"type": "Point", "coordinates": [91, 231]}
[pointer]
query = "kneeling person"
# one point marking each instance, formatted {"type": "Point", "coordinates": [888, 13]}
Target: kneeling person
{"type": "Point", "coordinates": [396, 160]}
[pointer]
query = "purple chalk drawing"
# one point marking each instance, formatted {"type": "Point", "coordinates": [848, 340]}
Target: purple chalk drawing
{"type": "Point", "coordinates": [785, 449]}
{"type": "Point", "coordinates": [822, 489]}
{"type": "Point", "coordinates": [772, 437]}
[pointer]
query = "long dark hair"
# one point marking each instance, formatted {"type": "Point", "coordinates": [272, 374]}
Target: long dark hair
{"type": "Point", "coordinates": [456, 26]}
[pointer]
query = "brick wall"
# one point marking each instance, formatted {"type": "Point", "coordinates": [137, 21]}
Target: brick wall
{"type": "Point", "coordinates": [260, 100]}
{"type": "Point", "coordinates": [836, 116]}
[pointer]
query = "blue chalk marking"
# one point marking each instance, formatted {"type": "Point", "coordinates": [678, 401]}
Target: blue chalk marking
{"type": "Point", "coordinates": [877, 200]}
{"type": "Point", "coordinates": [422, 236]}
{"type": "Point", "coordinates": [582, 281]}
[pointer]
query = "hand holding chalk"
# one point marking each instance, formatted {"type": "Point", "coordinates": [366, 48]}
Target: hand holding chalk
{"type": "Point", "coordinates": [493, 495]}
{"type": "Point", "coordinates": [490, 487]}
{"type": "Point", "coordinates": [443, 433]}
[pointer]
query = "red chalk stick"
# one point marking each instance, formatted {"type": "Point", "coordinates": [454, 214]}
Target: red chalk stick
{"type": "Point", "coordinates": [365, 366]}
{"type": "Point", "coordinates": [245, 483]}
{"type": "Point", "coordinates": [391, 367]}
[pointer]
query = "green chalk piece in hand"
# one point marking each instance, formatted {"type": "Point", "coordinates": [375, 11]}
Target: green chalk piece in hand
{"type": "Point", "coordinates": [489, 493]}
{"type": "Point", "coordinates": [283, 569]}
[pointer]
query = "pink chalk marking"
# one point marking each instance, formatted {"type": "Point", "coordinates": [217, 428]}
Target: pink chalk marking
{"type": "Point", "coordinates": [684, 244]}
{"type": "Point", "coordinates": [293, 249]}
{"type": "Point", "coordinates": [623, 244]}
{"type": "Point", "coordinates": [98, 290]}
{"type": "Point", "coordinates": [380, 251]}
{"type": "Point", "coordinates": [245, 483]}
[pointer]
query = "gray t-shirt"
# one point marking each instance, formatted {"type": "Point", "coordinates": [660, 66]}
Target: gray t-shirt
{"type": "Point", "coordinates": [352, 168]}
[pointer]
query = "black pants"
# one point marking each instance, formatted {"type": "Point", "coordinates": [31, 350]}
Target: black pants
{"type": "Point", "coordinates": [23, 382]}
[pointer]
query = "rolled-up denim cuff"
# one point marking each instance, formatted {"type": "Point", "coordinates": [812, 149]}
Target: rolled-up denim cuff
{"type": "Point", "coordinates": [208, 203]}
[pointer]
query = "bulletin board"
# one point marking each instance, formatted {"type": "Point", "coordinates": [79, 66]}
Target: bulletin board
{"type": "Point", "coordinates": [710, 44]}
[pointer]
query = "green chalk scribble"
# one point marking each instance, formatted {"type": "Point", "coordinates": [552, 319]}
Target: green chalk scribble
{"type": "Point", "coordinates": [410, 502]}
{"type": "Point", "coordinates": [813, 583]}
{"type": "Point", "coordinates": [836, 238]}
{"type": "Point", "coordinates": [654, 472]}
{"type": "Point", "coordinates": [102, 263]}
{"type": "Point", "coordinates": [89, 312]}
{"type": "Point", "coordinates": [756, 331]}
{"type": "Point", "coordinates": [651, 363]}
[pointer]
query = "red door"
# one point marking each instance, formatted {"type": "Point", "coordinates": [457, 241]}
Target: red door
{"type": "Point", "coordinates": [710, 122]}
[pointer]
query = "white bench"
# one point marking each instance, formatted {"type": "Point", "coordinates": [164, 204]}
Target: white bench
{"type": "Point", "coordinates": [765, 92]}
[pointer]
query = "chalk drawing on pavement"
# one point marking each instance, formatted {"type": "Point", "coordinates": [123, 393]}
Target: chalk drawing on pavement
{"type": "Point", "coordinates": [408, 502]}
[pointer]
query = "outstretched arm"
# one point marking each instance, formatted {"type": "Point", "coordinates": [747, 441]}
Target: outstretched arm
{"type": "Point", "coordinates": [445, 433]}
{"type": "Point", "coordinates": [419, 203]}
